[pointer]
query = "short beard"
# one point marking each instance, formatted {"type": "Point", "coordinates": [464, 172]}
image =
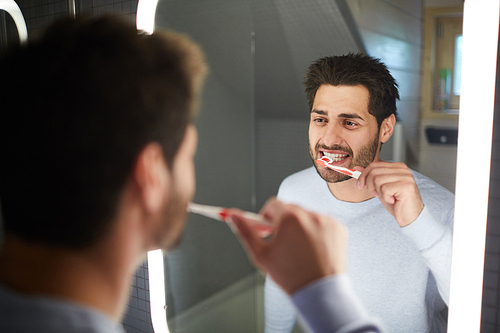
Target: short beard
{"type": "Point", "coordinates": [171, 232]}
{"type": "Point", "coordinates": [363, 158]}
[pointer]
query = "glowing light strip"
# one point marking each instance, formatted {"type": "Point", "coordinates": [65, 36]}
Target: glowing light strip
{"type": "Point", "coordinates": [145, 21]}
{"type": "Point", "coordinates": [11, 7]}
{"type": "Point", "coordinates": [145, 17]}
{"type": "Point", "coordinates": [157, 301]}
{"type": "Point", "coordinates": [479, 59]}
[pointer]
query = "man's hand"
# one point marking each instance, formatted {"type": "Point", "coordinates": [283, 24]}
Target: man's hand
{"type": "Point", "coordinates": [305, 246]}
{"type": "Point", "coordinates": [394, 185]}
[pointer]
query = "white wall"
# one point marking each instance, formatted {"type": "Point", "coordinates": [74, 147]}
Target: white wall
{"type": "Point", "coordinates": [392, 31]}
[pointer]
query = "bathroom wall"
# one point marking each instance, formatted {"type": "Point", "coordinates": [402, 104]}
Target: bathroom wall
{"type": "Point", "coordinates": [289, 36]}
{"type": "Point", "coordinates": [436, 160]}
{"type": "Point", "coordinates": [40, 13]}
{"type": "Point", "coordinates": [210, 262]}
{"type": "Point", "coordinates": [392, 31]}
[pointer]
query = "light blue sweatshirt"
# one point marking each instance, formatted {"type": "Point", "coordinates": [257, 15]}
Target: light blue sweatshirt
{"type": "Point", "coordinates": [401, 275]}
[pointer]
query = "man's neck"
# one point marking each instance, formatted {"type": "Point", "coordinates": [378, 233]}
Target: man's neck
{"type": "Point", "coordinates": [75, 276]}
{"type": "Point", "coordinates": [348, 191]}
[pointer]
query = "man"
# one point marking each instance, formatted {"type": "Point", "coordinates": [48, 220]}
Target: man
{"type": "Point", "coordinates": [399, 221]}
{"type": "Point", "coordinates": [97, 151]}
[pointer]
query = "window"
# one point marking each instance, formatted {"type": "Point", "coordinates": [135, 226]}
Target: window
{"type": "Point", "coordinates": [447, 65]}
{"type": "Point", "coordinates": [457, 79]}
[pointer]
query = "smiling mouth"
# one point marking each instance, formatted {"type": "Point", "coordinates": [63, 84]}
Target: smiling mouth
{"type": "Point", "coordinates": [334, 157]}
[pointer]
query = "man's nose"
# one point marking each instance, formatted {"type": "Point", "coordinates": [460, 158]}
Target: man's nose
{"type": "Point", "coordinates": [332, 135]}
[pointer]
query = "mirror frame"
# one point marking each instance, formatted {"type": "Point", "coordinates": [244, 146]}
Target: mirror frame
{"type": "Point", "coordinates": [11, 7]}
{"type": "Point", "coordinates": [480, 32]}
{"type": "Point", "coordinates": [145, 15]}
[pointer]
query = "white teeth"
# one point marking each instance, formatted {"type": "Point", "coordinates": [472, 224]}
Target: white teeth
{"type": "Point", "coordinates": [335, 157]}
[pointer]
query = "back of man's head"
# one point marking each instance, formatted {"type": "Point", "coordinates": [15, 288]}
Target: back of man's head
{"type": "Point", "coordinates": [77, 108]}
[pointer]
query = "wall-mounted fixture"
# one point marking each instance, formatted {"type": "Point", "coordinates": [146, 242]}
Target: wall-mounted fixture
{"type": "Point", "coordinates": [442, 135]}
{"type": "Point", "coordinates": [145, 21]}
{"type": "Point", "coordinates": [157, 291]}
{"type": "Point", "coordinates": [11, 7]}
{"type": "Point", "coordinates": [145, 18]}
{"type": "Point", "coordinates": [481, 22]}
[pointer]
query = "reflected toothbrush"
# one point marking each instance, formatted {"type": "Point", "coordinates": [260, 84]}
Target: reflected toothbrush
{"type": "Point", "coordinates": [326, 161]}
{"type": "Point", "coordinates": [220, 213]}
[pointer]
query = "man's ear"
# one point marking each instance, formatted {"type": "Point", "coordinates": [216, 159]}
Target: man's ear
{"type": "Point", "coordinates": [152, 177]}
{"type": "Point", "coordinates": [387, 128]}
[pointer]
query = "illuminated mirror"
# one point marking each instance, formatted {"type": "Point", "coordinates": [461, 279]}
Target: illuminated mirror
{"type": "Point", "coordinates": [13, 29]}
{"type": "Point", "coordinates": [235, 130]}
{"type": "Point", "coordinates": [481, 27]}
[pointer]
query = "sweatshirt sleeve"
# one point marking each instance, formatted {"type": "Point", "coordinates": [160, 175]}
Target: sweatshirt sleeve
{"type": "Point", "coordinates": [434, 241]}
{"type": "Point", "coordinates": [331, 305]}
{"type": "Point", "coordinates": [280, 314]}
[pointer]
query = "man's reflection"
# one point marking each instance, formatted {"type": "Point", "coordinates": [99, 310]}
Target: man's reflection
{"type": "Point", "coordinates": [399, 221]}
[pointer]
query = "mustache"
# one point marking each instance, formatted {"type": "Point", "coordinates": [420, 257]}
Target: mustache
{"type": "Point", "coordinates": [346, 150]}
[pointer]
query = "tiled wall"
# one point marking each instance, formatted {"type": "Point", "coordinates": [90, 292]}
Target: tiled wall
{"type": "Point", "coordinates": [490, 318]}
{"type": "Point", "coordinates": [115, 7]}
{"type": "Point", "coordinates": [38, 15]}
{"type": "Point", "coordinates": [137, 318]}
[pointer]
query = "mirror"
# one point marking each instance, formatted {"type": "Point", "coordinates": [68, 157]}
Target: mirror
{"type": "Point", "coordinates": [210, 283]}
{"type": "Point", "coordinates": [254, 117]}
{"type": "Point", "coordinates": [13, 29]}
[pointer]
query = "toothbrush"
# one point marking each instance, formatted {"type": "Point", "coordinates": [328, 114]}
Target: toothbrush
{"type": "Point", "coordinates": [221, 214]}
{"type": "Point", "coordinates": [325, 162]}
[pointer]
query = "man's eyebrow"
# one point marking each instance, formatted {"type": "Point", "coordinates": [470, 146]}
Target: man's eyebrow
{"type": "Point", "coordinates": [350, 115]}
{"type": "Point", "coordinates": [341, 115]}
{"type": "Point", "coordinates": [320, 112]}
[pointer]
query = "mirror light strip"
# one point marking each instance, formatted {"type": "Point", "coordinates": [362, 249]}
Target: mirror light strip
{"type": "Point", "coordinates": [157, 301]}
{"type": "Point", "coordinates": [145, 21]}
{"type": "Point", "coordinates": [479, 59]}
{"type": "Point", "coordinates": [145, 17]}
{"type": "Point", "coordinates": [11, 7]}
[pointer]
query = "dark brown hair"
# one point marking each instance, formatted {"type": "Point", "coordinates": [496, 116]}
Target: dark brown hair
{"type": "Point", "coordinates": [77, 108]}
{"type": "Point", "coordinates": [351, 70]}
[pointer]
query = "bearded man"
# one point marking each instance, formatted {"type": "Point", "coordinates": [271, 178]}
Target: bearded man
{"type": "Point", "coordinates": [399, 221]}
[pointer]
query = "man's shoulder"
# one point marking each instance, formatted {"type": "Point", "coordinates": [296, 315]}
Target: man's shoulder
{"type": "Point", "coordinates": [301, 177]}
{"type": "Point", "coordinates": [300, 183]}
{"type": "Point", "coordinates": [425, 184]}
{"type": "Point", "coordinates": [48, 314]}
{"type": "Point", "coordinates": [439, 200]}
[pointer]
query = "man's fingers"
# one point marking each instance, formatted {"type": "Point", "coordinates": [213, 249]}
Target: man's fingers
{"type": "Point", "coordinates": [272, 210]}
{"type": "Point", "coordinates": [374, 179]}
{"type": "Point", "coordinates": [249, 235]}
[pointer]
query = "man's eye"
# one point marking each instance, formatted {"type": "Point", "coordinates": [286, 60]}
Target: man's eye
{"type": "Point", "coordinates": [349, 123]}
{"type": "Point", "coordinates": [319, 120]}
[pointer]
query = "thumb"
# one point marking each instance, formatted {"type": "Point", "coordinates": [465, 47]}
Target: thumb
{"type": "Point", "coordinates": [362, 178]}
{"type": "Point", "coordinates": [358, 168]}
